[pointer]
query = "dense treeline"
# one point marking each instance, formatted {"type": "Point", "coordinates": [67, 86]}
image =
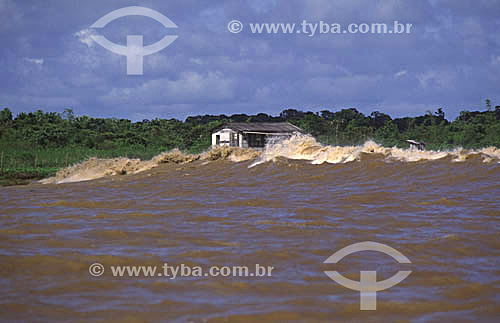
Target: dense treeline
{"type": "Point", "coordinates": [344, 127]}
{"type": "Point", "coordinates": [51, 140]}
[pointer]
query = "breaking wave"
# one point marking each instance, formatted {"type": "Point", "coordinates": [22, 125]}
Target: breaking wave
{"type": "Point", "coordinates": [305, 147]}
{"type": "Point", "coordinates": [298, 147]}
{"type": "Point", "coordinates": [95, 168]}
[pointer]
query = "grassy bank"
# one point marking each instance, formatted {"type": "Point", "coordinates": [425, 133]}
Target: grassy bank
{"type": "Point", "coordinates": [20, 166]}
{"type": "Point", "coordinates": [23, 176]}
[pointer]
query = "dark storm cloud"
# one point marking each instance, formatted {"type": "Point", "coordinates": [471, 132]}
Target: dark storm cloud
{"type": "Point", "coordinates": [451, 59]}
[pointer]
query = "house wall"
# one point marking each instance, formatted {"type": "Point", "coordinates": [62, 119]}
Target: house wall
{"type": "Point", "coordinates": [225, 137]}
{"type": "Point", "coordinates": [243, 140]}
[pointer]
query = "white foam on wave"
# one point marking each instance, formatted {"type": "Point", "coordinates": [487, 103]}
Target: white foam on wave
{"type": "Point", "coordinates": [304, 147]}
{"type": "Point", "coordinates": [299, 147]}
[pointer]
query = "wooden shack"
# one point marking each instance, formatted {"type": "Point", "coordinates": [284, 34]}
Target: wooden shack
{"type": "Point", "coordinates": [252, 134]}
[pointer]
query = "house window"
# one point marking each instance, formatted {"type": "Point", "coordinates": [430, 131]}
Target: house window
{"type": "Point", "coordinates": [217, 140]}
{"type": "Point", "coordinates": [234, 139]}
{"type": "Point", "coordinates": [256, 140]}
{"type": "Point", "coordinates": [259, 141]}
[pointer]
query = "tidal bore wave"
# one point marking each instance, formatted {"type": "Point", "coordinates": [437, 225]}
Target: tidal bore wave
{"type": "Point", "coordinates": [299, 147]}
{"type": "Point", "coordinates": [239, 207]}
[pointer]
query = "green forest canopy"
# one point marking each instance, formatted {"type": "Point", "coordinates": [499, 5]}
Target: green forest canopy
{"type": "Point", "coordinates": [37, 130]}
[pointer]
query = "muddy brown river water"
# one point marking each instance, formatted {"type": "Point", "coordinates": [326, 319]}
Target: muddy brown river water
{"type": "Point", "coordinates": [291, 211]}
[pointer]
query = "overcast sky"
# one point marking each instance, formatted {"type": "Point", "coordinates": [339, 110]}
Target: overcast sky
{"type": "Point", "coordinates": [451, 58]}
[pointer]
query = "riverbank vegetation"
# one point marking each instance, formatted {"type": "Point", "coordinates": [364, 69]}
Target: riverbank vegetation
{"type": "Point", "coordinates": [35, 145]}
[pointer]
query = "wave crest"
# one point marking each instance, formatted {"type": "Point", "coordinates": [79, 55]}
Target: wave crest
{"type": "Point", "coordinates": [95, 168]}
{"type": "Point", "coordinates": [299, 147]}
{"type": "Point", "coordinates": [305, 147]}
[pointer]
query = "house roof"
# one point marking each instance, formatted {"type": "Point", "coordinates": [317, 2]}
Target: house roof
{"type": "Point", "coordinates": [263, 127]}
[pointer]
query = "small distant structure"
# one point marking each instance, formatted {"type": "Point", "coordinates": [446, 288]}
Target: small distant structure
{"type": "Point", "coordinates": [252, 134]}
{"type": "Point", "coordinates": [416, 145]}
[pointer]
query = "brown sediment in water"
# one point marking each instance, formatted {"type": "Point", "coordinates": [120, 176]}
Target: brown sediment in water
{"type": "Point", "coordinates": [299, 204]}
